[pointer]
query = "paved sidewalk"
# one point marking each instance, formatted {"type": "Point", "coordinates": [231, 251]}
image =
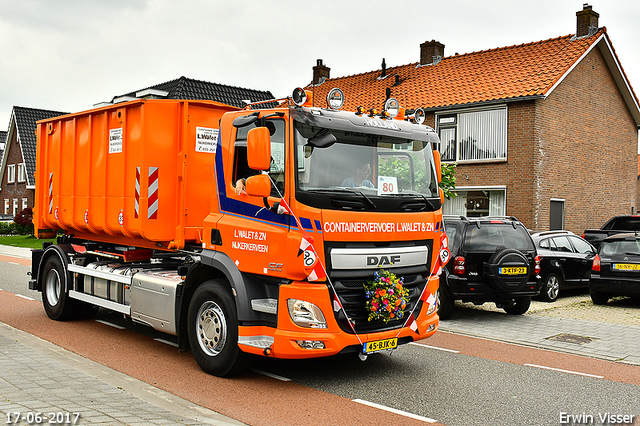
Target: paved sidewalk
{"type": "Point", "coordinates": [39, 377]}
{"type": "Point", "coordinates": [24, 253]}
{"type": "Point", "coordinates": [612, 342]}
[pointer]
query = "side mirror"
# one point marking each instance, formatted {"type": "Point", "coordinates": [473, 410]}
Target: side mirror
{"type": "Point", "coordinates": [259, 148]}
{"type": "Point", "coordinates": [436, 157]}
{"type": "Point", "coordinates": [258, 186]}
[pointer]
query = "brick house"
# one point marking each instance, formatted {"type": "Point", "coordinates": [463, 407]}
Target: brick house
{"type": "Point", "coordinates": [17, 181]}
{"type": "Point", "coordinates": [18, 162]}
{"type": "Point", "coordinates": [544, 131]}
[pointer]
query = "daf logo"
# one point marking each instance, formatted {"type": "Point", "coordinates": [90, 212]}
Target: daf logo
{"type": "Point", "coordinates": [382, 260]}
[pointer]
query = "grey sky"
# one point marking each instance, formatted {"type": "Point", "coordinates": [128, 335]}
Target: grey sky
{"type": "Point", "coordinates": [67, 55]}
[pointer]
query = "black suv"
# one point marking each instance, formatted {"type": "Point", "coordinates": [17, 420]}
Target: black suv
{"type": "Point", "coordinates": [493, 259]}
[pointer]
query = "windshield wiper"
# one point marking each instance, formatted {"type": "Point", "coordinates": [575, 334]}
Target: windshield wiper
{"type": "Point", "coordinates": [630, 253]}
{"type": "Point", "coordinates": [368, 201]}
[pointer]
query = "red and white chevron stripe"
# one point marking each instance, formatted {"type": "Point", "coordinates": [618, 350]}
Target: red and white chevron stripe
{"type": "Point", "coordinates": [137, 198]}
{"type": "Point", "coordinates": [153, 193]}
{"type": "Point", "coordinates": [50, 193]}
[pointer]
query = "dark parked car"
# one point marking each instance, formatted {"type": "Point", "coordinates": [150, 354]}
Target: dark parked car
{"type": "Point", "coordinates": [616, 268]}
{"type": "Point", "coordinates": [566, 262]}
{"type": "Point", "coordinates": [492, 260]}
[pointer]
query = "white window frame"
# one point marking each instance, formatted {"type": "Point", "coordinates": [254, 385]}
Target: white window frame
{"type": "Point", "coordinates": [24, 203]}
{"type": "Point", "coordinates": [22, 175]}
{"type": "Point", "coordinates": [11, 173]}
{"type": "Point", "coordinates": [6, 206]}
{"type": "Point", "coordinates": [15, 206]}
{"type": "Point", "coordinates": [458, 202]}
{"type": "Point", "coordinates": [453, 120]}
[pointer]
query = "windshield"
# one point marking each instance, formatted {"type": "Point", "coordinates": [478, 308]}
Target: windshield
{"type": "Point", "coordinates": [371, 164]}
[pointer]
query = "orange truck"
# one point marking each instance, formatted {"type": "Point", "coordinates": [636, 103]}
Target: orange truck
{"type": "Point", "coordinates": [243, 232]}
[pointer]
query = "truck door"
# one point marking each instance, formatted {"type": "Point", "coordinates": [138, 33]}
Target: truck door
{"type": "Point", "coordinates": [253, 235]}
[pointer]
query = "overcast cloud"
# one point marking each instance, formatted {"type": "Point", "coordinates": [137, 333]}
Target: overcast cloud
{"type": "Point", "coordinates": [67, 55]}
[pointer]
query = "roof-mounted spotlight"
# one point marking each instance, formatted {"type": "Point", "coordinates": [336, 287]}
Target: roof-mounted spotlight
{"type": "Point", "coordinates": [373, 112]}
{"type": "Point", "coordinates": [335, 98]}
{"type": "Point", "coordinates": [302, 97]}
{"type": "Point", "coordinates": [392, 107]}
{"type": "Point", "coordinates": [360, 110]}
{"type": "Point", "coordinates": [419, 116]}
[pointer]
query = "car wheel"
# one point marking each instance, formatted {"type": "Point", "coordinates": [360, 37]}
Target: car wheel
{"type": "Point", "coordinates": [521, 306]}
{"type": "Point", "coordinates": [600, 298]}
{"type": "Point", "coordinates": [551, 287]}
{"type": "Point", "coordinates": [445, 304]}
{"type": "Point", "coordinates": [507, 258]}
{"type": "Point", "coordinates": [55, 297]}
{"type": "Point", "coordinates": [213, 330]}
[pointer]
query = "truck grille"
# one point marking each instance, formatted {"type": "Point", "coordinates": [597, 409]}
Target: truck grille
{"type": "Point", "coordinates": [351, 293]}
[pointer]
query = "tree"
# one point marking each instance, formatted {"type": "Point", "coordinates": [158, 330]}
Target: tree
{"type": "Point", "coordinates": [24, 221]}
{"type": "Point", "coordinates": [448, 183]}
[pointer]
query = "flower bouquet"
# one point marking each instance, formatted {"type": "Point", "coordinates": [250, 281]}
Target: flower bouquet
{"type": "Point", "coordinates": [386, 296]}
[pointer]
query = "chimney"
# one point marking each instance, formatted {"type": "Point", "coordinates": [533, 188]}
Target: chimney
{"type": "Point", "coordinates": [587, 21]}
{"type": "Point", "coordinates": [383, 74]}
{"type": "Point", "coordinates": [320, 73]}
{"type": "Point", "coordinates": [431, 52]}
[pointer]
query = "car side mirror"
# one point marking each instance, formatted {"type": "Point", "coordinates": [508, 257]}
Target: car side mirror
{"type": "Point", "coordinates": [259, 148]}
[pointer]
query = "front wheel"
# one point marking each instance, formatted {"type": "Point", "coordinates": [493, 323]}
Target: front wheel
{"type": "Point", "coordinates": [520, 306]}
{"type": "Point", "coordinates": [445, 303]}
{"type": "Point", "coordinates": [213, 330]}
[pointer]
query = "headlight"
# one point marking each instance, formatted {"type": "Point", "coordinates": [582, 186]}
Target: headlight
{"type": "Point", "coordinates": [306, 314]}
{"type": "Point", "coordinates": [434, 305]}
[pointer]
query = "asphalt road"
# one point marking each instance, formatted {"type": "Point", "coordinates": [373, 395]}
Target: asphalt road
{"type": "Point", "coordinates": [457, 381]}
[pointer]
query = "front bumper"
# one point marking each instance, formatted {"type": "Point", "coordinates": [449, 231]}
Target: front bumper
{"type": "Point", "coordinates": [283, 341]}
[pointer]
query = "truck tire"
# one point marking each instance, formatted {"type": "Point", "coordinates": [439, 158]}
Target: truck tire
{"type": "Point", "coordinates": [213, 330]}
{"type": "Point", "coordinates": [520, 306]}
{"type": "Point", "coordinates": [55, 296]}
{"type": "Point", "coordinates": [551, 287]}
{"type": "Point", "coordinates": [507, 258]}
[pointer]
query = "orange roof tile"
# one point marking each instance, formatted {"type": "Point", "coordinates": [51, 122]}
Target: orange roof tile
{"type": "Point", "coordinates": [517, 71]}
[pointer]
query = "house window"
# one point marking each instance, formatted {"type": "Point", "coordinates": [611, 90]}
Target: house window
{"type": "Point", "coordinates": [11, 173]}
{"type": "Point", "coordinates": [21, 173]}
{"type": "Point", "coordinates": [24, 203]}
{"type": "Point", "coordinates": [6, 206]}
{"type": "Point", "coordinates": [15, 206]}
{"type": "Point", "coordinates": [474, 135]}
{"type": "Point", "coordinates": [475, 202]}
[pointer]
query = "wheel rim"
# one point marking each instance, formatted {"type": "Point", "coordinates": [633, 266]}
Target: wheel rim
{"type": "Point", "coordinates": [212, 328]}
{"type": "Point", "coordinates": [553, 287]}
{"type": "Point", "coordinates": [53, 287]}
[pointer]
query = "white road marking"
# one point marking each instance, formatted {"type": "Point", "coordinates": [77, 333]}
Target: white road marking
{"type": "Point", "coordinates": [119, 327]}
{"type": "Point", "coordinates": [393, 410]}
{"type": "Point", "coordinates": [435, 347]}
{"type": "Point", "coordinates": [24, 297]}
{"type": "Point", "coordinates": [564, 371]}
{"type": "Point", "coordinates": [273, 376]}
{"type": "Point", "coordinates": [166, 342]}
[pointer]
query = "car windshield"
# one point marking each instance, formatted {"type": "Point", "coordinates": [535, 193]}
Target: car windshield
{"type": "Point", "coordinates": [488, 237]}
{"type": "Point", "coordinates": [630, 247]}
{"type": "Point", "coordinates": [371, 164]}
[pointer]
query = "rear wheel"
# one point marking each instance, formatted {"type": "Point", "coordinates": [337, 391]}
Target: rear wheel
{"type": "Point", "coordinates": [213, 330]}
{"type": "Point", "coordinates": [520, 306]}
{"type": "Point", "coordinates": [55, 296]}
{"type": "Point", "coordinates": [551, 287]}
{"type": "Point", "coordinates": [600, 298]}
